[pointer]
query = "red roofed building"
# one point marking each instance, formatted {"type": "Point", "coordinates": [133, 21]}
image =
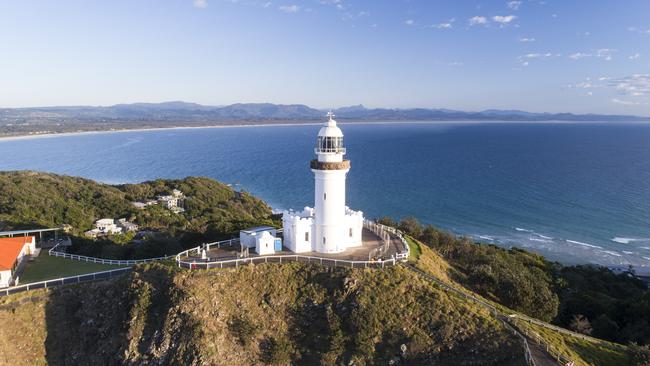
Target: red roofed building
{"type": "Point", "coordinates": [12, 252]}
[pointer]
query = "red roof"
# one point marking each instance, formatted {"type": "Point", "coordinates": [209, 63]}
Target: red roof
{"type": "Point", "coordinates": [10, 249]}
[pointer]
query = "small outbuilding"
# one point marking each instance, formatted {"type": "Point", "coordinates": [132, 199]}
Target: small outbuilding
{"type": "Point", "coordinates": [265, 243]}
{"type": "Point", "coordinates": [247, 237]}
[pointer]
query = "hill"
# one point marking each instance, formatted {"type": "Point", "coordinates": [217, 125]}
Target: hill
{"type": "Point", "coordinates": [265, 314]}
{"type": "Point", "coordinates": [213, 211]}
{"type": "Point", "coordinates": [39, 120]}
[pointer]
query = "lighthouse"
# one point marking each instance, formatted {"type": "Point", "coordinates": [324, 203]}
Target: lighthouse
{"type": "Point", "coordinates": [329, 227]}
{"type": "Point", "coordinates": [330, 170]}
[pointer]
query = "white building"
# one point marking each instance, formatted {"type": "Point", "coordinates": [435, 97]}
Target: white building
{"type": "Point", "coordinates": [12, 253]}
{"type": "Point", "coordinates": [329, 227]}
{"type": "Point", "coordinates": [104, 227]}
{"type": "Point", "coordinates": [248, 237]}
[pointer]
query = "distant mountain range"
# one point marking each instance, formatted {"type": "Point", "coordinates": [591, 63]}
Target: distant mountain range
{"type": "Point", "coordinates": [38, 120]}
{"type": "Point", "coordinates": [177, 111]}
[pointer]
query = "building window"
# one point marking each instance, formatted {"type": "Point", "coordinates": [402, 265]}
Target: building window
{"type": "Point", "coordinates": [323, 240]}
{"type": "Point", "coordinates": [350, 232]}
{"type": "Point", "coordinates": [306, 235]}
{"type": "Point", "coordinates": [324, 196]}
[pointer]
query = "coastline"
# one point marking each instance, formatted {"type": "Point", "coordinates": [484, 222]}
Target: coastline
{"type": "Point", "coordinates": [298, 123]}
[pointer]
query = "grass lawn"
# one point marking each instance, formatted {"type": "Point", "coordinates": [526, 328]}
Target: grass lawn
{"type": "Point", "coordinates": [46, 267]}
{"type": "Point", "coordinates": [415, 250]}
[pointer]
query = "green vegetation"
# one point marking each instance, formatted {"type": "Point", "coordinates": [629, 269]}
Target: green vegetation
{"type": "Point", "coordinates": [414, 248]}
{"type": "Point", "coordinates": [588, 299]}
{"type": "Point", "coordinates": [272, 314]}
{"type": "Point", "coordinates": [45, 267]}
{"type": "Point", "coordinates": [213, 211]}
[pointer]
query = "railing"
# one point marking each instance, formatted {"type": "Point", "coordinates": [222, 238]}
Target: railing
{"type": "Point", "coordinates": [229, 263]}
{"type": "Point", "coordinates": [401, 255]}
{"type": "Point", "coordinates": [117, 262]}
{"type": "Point", "coordinates": [505, 319]}
{"type": "Point", "coordinates": [65, 281]}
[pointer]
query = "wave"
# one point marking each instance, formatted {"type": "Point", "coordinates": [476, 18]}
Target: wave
{"type": "Point", "coordinates": [626, 252]}
{"type": "Point", "coordinates": [623, 240]}
{"type": "Point", "coordinates": [485, 237]}
{"type": "Point", "coordinates": [610, 253]}
{"type": "Point", "coordinates": [583, 244]}
{"type": "Point", "coordinates": [540, 240]}
{"type": "Point", "coordinates": [523, 230]}
{"type": "Point", "coordinates": [544, 236]}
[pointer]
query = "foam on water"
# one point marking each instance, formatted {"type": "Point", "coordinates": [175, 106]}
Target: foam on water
{"type": "Point", "coordinates": [583, 244]}
{"type": "Point", "coordinates": [623, 240]}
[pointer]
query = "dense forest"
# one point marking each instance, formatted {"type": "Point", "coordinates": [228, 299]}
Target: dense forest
{"type": "Point", "coordinates": [212, 211]}
{"type": "Point", "coordinates": [588, 299]}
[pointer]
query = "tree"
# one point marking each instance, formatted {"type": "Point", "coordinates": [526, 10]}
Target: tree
{"type": "Point", "coordinates": [580, 324]}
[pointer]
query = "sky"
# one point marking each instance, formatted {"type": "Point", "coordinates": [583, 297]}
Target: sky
{"type": "Point", "coordinates": [590, 56]}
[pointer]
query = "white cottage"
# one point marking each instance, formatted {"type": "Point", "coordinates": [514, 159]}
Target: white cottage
{"type": "Point", "coordinates": [12, 253]}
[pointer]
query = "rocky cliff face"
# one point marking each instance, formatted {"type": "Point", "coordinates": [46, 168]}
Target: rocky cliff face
{"type": "Point", "coordinates": [264, 314]}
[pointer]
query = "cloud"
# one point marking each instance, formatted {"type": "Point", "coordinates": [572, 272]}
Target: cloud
{"type": "Point", "coordinates": [639, 30]}
{"type": "Point", "coordinates": [336, 3]}
{"type": "Point", "coordinates": [514, 5]}
{"type": "Point", "coordinates": [635, 56]}
{"type": "Point", "coordinates": [504, 19]}
{"type": "Point", "coordinates": [637, 85]}
{"type": "Point", "coordinates": [525, 40]}
{"type": "Point", "coordinates": [478, 20]}
{"type": "Point", "coordinates": [628, 102]}
{"type": "Point", "coordinates": [409, 22]}
{"type": "Point", "coordinates": [445, 25]}
{"type": "Point", "coordinates": [289, 8]}
{"type": "Point", "coordinates": [601, 53]}
{"type": "Point", "coordinates": [525, 59]}
{"type": "Point", "coordinates": [200, 4]}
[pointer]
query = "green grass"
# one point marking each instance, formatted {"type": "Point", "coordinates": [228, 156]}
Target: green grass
{"type": "Point", "coordinates": [415, 250]}
{"type": "Point", "coordinates": [46, 267]}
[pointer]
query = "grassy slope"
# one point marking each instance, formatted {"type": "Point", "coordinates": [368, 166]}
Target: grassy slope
{"type": "Point", "coordinates": [257, 314]}
{"type": "Point", "coordinates": [583, 352]}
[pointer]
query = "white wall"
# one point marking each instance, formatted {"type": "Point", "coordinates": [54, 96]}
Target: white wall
{"type": "Point", "coordinates": [295, 228]}
{"type": "Point", "coordinates": [329, 205]}
{"type": "Point", "coordinates": [5, 276]}
{"type": "Point", "coordinates": [264, 243]}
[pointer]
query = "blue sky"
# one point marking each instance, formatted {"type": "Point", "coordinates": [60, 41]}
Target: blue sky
{"type": "Point", "coordinates": [553, 55]}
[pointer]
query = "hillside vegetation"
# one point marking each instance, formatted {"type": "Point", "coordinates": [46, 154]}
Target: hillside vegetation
{"type": "Point", "coordinates": [212, 211]}
{"type": "Point", "coordinates": [587, 299]}
{"type": "Point", "coordinates": [264, 314]}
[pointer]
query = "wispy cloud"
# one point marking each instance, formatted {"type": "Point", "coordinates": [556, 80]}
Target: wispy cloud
{"type": "Point", "coordinates": [445, 25]}
{"type": "Point", "coordinates": [628, 102]}
{"type": "Point", "coordinates": [478, 20]}
{"type": "Point", "coordinates": [640, 30]}
{"type": "Point", "coordinates": [524, 60]}
{"type": "Point", "coordinates": [200, 3]}
{"type": "Point", "coordinates": [637, 85]}
{"type": "Point", "coordinates": [409, 22]}
{"type": "Point", "coordinates": [601, 53]}
{"type": "Point", "coordinates": [289, 8]}
{"type": "Point", "coordinates": [526, 40]}
{"type": "Point", "coordinates": [504, 19]}
{"type": "Point", "coordinates": [336, 3]}
{"type": "Point", "coordinates": [514, 5]}
{"type": "Point", "coordinates": [635, 56]}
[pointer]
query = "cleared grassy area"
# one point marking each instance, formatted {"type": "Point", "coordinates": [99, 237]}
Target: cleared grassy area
{"type": "Point", "coordinates": [46, 267]}
{"type": "Point", "coordinates": [582, 351]}
{"type": "Point", "coordinates": [415, 249]}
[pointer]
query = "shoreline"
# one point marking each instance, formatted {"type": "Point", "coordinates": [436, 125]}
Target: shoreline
{"type": "Point", "coordinates": [285, 124]}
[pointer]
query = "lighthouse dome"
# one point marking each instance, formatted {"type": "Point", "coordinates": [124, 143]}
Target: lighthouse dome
{"type": "Point", "coordinates": [330, 129]}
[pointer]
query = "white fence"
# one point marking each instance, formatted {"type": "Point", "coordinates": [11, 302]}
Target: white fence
{"type": "Point", "coordinates": [199, 262]}
{"type": "Point", "coordinates": [65, 281]}
{"type": "Point", "coordinates": [116, 262]}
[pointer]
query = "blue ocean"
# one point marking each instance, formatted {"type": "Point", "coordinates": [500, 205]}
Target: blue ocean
{"type": "Point", "coordinates": [577, 193]}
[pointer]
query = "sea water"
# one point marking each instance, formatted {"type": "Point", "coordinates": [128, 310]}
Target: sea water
{"type": "Point", "coordinates": [575, 192]}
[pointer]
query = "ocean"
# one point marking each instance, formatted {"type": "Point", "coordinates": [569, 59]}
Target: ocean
{"type": "Point", "coordinates": [574, 192]}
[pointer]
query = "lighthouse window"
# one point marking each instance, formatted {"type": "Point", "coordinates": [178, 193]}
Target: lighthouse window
{"type": "Point", "coordinates": [324, 196]}
{"type": "Point", "coordinates": [323, 240]}
{"type": "Point", "coordinates": [330, 144]}
{"type": "Point", "coordinates": [306, 235]}
{"type": "Point", "coordinates": [350, 232]}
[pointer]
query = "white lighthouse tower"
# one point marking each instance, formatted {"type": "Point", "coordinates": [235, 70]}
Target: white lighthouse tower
{"type": "Point", "coordinates": [330, 227]}
{"type": "Point", "coordinates": [330, 170]}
